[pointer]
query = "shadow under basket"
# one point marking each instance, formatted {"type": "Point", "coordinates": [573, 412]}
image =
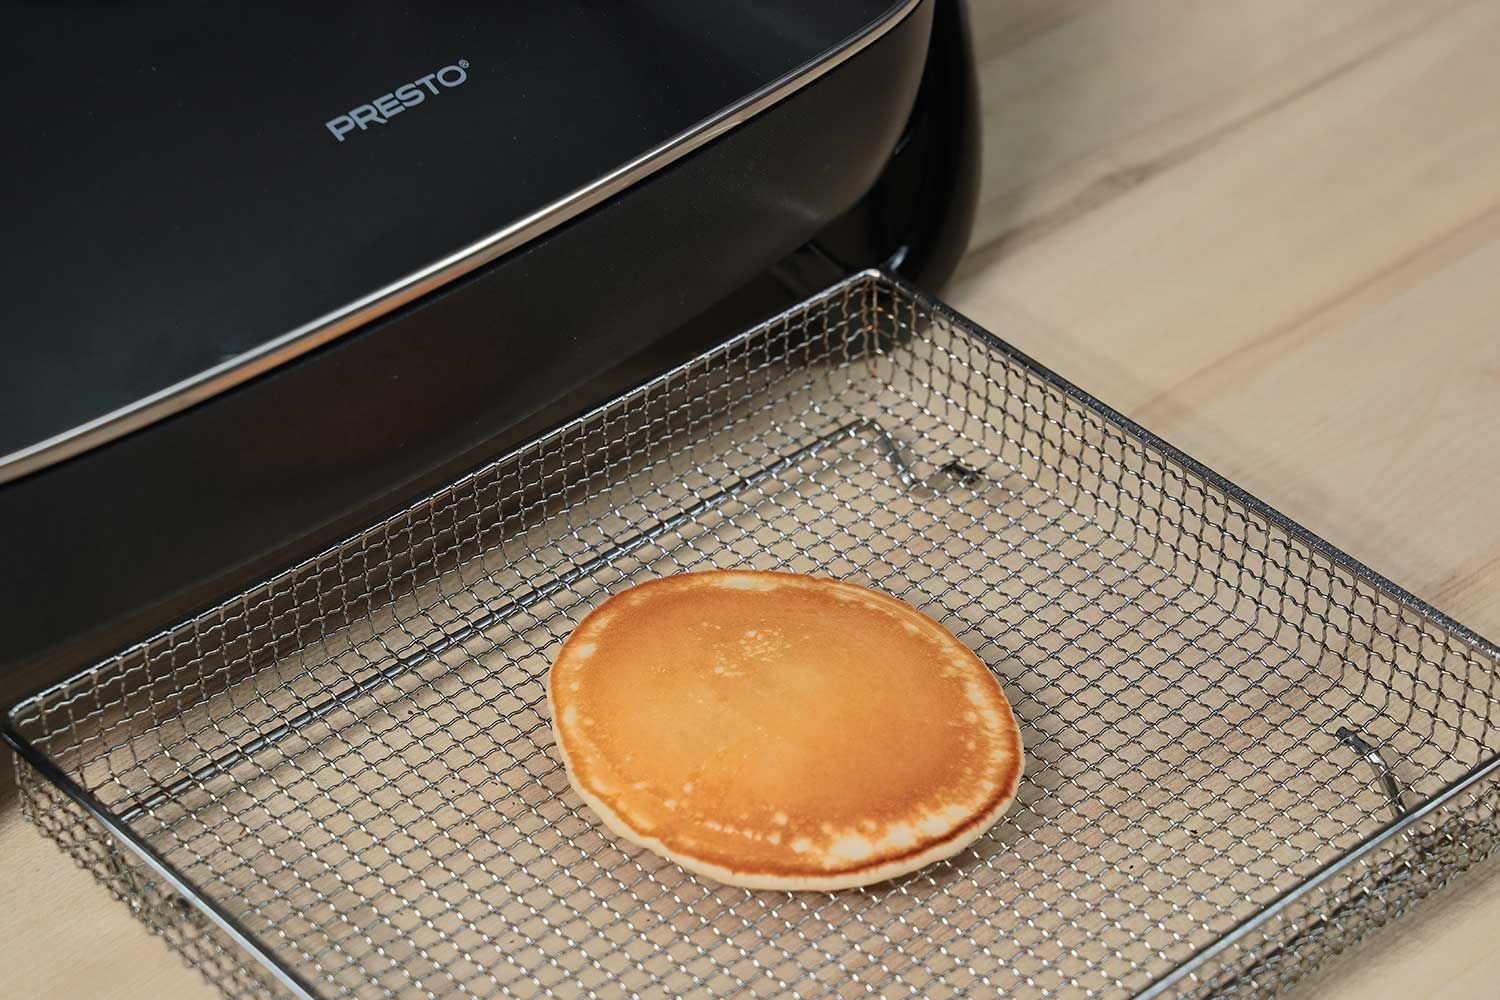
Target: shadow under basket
{"type": "Point", "coordinates": [1245, 749]}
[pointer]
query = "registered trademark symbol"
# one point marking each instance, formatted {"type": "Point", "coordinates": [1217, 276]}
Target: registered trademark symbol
{"type": "Point", "coordinates": [463, 64]}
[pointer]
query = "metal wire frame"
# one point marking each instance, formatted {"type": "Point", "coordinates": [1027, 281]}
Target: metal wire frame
{"type": "Point", "coordinates": [341, 783]}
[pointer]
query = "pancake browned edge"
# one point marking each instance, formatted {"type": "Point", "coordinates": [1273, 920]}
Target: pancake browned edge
{"type": "Point", "coordinates": [778, 731]}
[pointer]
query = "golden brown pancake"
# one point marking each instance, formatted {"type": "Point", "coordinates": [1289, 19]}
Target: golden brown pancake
{"type": "Point", "coordinates": [777, 731]}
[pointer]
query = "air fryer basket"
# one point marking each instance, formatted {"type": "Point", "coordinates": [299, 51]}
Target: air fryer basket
{"type": "Point", "coordinates": [1245, 750]}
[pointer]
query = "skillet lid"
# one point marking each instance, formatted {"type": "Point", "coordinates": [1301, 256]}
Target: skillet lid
{"type": "Point", "coordinates": [193, 195]}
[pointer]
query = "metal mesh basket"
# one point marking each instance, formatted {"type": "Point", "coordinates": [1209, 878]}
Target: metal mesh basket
{"type": "Point", "coordinates": [1245, 750]}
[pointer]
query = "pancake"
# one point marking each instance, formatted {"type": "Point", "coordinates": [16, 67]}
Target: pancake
{"type": "Point", "coordinates": [777, 731]}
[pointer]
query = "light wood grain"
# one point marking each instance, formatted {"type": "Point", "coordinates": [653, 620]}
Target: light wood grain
{"type": "Point", "coordinates": [62, 937]}
{"type": "Point", "coordinates": [1269, 231]}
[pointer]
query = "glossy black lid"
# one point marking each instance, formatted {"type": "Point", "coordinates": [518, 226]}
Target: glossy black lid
{"type": "Point", "coordinates": [180, 212]}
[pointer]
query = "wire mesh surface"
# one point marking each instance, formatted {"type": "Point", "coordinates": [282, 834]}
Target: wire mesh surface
{"type": "Point", "coordinates": [343, 782]}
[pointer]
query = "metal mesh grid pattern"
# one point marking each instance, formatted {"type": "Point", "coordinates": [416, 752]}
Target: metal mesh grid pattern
{"type": "Point", "coordinates": [1244, 749]}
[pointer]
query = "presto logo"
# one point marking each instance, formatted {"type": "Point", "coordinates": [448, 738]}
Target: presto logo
{"type": "Point", "coordinates": [408, 95]}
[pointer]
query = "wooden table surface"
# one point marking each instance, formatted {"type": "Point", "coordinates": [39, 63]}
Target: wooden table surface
{"type": "Point", "coordinates": [1270, 232]}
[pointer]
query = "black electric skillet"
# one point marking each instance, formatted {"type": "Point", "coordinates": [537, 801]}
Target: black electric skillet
{"type": "Point", "coordinates": [271, 273]}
